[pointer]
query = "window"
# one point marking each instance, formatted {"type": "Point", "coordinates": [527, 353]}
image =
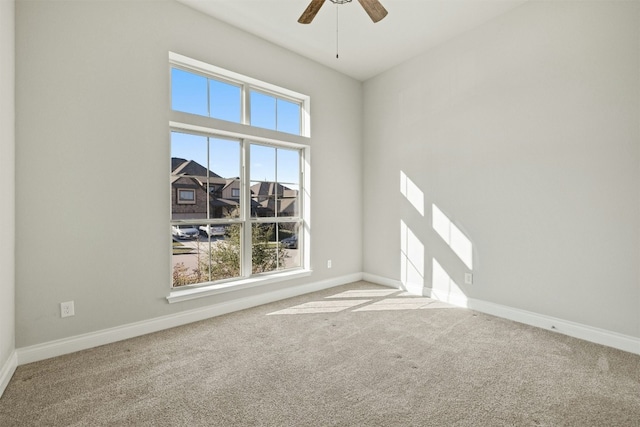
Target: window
{"type": "Point", "coordinates": [205, 90]}
{"type": "Point", "coordinates": [186, 196]}
{"type": "Point", "coordinates": [196, 94]}
{"type": "Point", "coordinates": [238, 210]}
{"type": "Point", "coordinates": [271, 112]}
{"type": "Point", "coordinates": [275, 199]}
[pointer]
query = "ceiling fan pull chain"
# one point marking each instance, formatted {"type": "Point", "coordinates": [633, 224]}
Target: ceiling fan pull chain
{"type": "Point", "coordinates": [337, 27]}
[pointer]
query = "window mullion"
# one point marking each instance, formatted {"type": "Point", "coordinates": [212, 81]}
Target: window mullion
{"type": "Point", "coordinates": [208, 201]}
{"type": "Point", "coordinates": [246, 105]}
{"type": "Point", "coordinates": [275, 190]}
{"type": "Point", "coordinates": [208, 98]}
{"type": "Point", "coordinates": [245, 206]}
{"type": "Point", "coordinates": [208, 179]}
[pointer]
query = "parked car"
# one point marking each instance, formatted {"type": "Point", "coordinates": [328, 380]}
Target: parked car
{"type": "Point", "coordinates": [185, 231]}
{"type": "Point", "coordinates": [213, 230]}
{"type": "Point", "coordinates": [290, 242]}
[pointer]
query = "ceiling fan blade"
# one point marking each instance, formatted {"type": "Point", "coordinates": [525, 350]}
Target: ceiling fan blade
{"type": "Point", "coordinates": [311, 11]}
{"type": "Point", "coordinates": [374, 9]}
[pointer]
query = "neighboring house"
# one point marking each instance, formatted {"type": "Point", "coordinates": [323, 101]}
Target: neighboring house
{"type": "Point", "coordinates": [188, 198]}
{"type": "Point", "coordinates": [269, 197]}
{"type": "Point", "coordinates": [189, 184]}
{"type": "Point", "coordinates": [189, 187]}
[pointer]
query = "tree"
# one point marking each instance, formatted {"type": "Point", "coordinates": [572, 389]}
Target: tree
{"type": "Point", "coordinates": [223, 258]}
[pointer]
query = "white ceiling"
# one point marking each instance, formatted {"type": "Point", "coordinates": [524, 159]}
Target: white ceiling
{"type": "Point", "coordinates": [366, 49]}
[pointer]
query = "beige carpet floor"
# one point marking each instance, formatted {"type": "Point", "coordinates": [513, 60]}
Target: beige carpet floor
{"type": "Point", "coordinates": [355, 355]}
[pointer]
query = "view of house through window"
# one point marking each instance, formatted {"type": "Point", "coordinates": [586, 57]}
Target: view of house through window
{"type": "Point", "coordinates": [236, 206]}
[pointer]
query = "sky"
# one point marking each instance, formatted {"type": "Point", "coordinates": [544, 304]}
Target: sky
{"type": "Point", "coordinates": [197, 94]}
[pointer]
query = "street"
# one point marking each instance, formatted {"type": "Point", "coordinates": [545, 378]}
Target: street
{"type": "Point", "coordinates": [190, 260]}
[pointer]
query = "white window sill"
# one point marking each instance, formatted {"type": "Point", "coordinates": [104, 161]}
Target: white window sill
{"type": "Point", "coordinates": [205, 291]}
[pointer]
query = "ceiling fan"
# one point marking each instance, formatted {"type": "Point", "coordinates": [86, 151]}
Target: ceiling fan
{"type": "Point", "coordinates": [373, 8]}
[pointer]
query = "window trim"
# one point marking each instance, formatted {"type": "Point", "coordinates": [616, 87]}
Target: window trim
{"type": "Point", "coordinates": [186, 294]}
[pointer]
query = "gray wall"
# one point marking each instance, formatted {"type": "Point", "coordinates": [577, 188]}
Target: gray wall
{"type": "Point", "coordinates": [93, 158]}
{"type": "Point", "coordinates": [525, 132]}
{"type": "Point", "coordinates": [7, 182]}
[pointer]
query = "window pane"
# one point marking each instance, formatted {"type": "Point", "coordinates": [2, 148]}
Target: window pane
{"type": "Point", "coordinates": [287, 202]}
{"type": "Point", "coordinates": [288, 238]}
{"type": "Point", "coordinates": [266, 252]}
{"type": "Point", "coordinates": [224, 256]}
{"type": "Point", "coordinates": [188, 253]}
{"type": "Point", "coordinates": [224, 101]}
{"type": "Point", "coordinates": [224, 181]}
{"type": "Point", "coordinates": [188, 92]}
{"type": "Point", "coordinates": [288, 117]}
{"type": "Point", "coordinates": [263, 199]}
{"type": "Point", "coordinates": [206, 259]}
{"type": "Point", "coordinates": [263, 111]}
{"type": "Point", "coordinates": [289, 182]}
{"type": "Point", "coordinates": [263, 163]}
{"type": "Point", "coordinates": [263, 181]}
{"type": "Point", "coordinates": [188, 175]}
{"type": "Point", "coordinates": [288, 166]}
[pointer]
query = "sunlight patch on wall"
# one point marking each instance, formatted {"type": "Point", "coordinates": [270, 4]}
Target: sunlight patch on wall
{"type": "Point", "coordinates": [443, 288]}
{"type": "Point", "coordinates": [457, 241]}
{"type": "Point", "coordinates": [411, 260]}
{"type": "Point", "coordinates": [412, 192]}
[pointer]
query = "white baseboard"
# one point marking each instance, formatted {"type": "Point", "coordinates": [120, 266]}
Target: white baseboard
{"type": "Point", "coordinates": [566, 327]}
{"type": "Point", "coordinates": [379, 280]}
{"type": "Point", "coordinates": [59, 347]}
{"type": "Point", "coordinates": [7, 371]}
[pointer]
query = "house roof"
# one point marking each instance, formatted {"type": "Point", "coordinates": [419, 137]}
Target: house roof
{"type": "Point", "coordinates": [219, 202]}
{"type": "Point", "coordinates": [190, 167]}
{"type": "Point", "coordinates": [188, 181]}
{"type": "Point", "coordinates": [231, 181]}
{"type": "Point", "coordinates": [269, 189]}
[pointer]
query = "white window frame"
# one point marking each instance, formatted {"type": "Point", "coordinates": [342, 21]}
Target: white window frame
{"type": "Point", "coordinates": [208, 126]}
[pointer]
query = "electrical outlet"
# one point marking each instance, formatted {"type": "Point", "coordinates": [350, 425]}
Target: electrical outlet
{"type": "Point", "coordinates": [329, 264]}
{"type": "Point", "coordinates": [468, 278]}
{"type": "Point", "coordinates": [67, 309]}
